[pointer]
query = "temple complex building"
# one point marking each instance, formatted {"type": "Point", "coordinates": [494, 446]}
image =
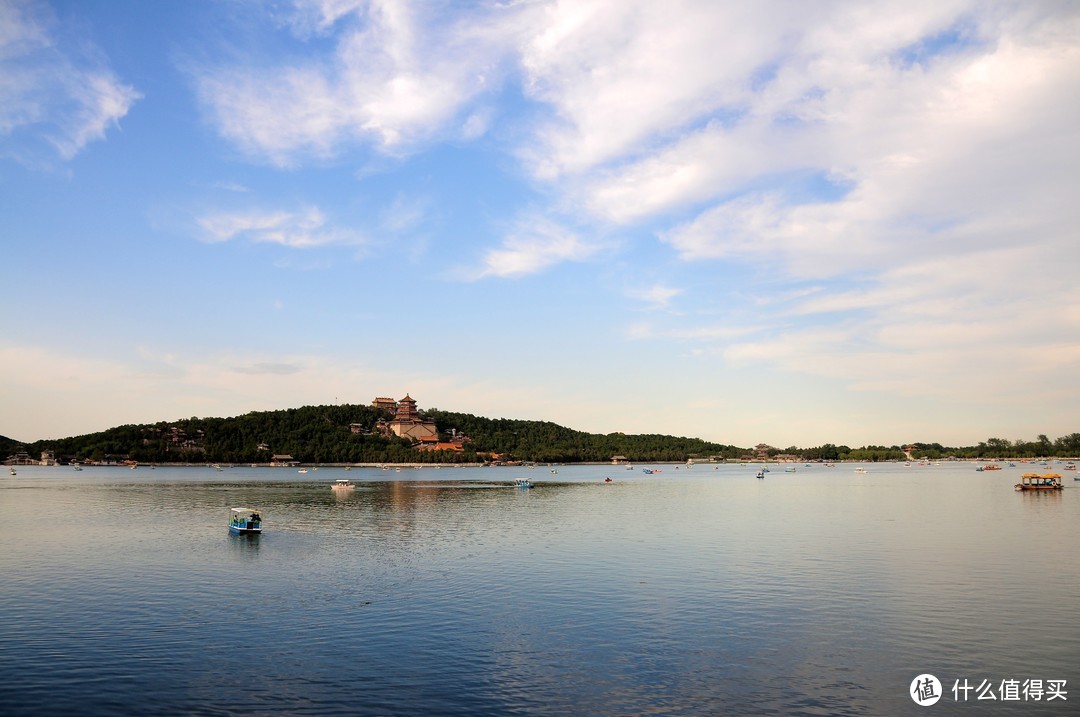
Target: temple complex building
{"type": "Point", "coordinates": [407, 423]}
{"type": "Point", "coordinates": [385, 404]}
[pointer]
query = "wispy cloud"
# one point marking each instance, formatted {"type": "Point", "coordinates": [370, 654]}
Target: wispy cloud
{"type": "Point", "coordinates": [397, 75]}
{"type": "Point", "coordinates": [656, 296]}
{"type": "Point", "coordinates": [301, 229]}
{"type": "Point", "coordinates": [53, 89]}
{"type": "Point", "coordinates": [533, 245]}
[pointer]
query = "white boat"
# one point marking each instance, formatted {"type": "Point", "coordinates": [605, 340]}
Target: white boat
{"type": "Point", "coordinates": [245, 521]}
{"type": "Point", "coordinates": [860, 470]}
{"type": "Point", "coordinates": [302, 470]}
{"type": "Point", "coordinates": [342, 484]}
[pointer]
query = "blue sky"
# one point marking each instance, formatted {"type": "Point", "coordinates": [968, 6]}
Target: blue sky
{"type": "Point", "coordinates": [779, 222]}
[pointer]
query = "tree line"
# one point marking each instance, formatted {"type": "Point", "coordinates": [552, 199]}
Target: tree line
{"type": "Point", "coordinates": [347, 434]}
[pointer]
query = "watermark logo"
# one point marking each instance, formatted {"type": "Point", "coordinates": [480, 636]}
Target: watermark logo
{"type": "Point", "coordinates": [925, 690]}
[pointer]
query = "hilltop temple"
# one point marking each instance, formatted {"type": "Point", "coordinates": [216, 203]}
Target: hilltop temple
{"type": "Point", "coordinates": [407, 422]}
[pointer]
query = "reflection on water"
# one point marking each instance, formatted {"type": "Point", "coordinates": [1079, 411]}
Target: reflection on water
{"type": "Point", "coordinates": [453, 592]}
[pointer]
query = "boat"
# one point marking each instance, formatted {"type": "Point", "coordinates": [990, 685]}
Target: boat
{"type": "Point", "coordinates": [302, 470]}
{"type": "Point", "coordinates": [1034, 481]}
{"type": "Point", "coordinates": [523, 483]}
{"type": "Point", "coordinates": [11, 470]}
{"type": "Point", "coordinates": [991, 467]}
{"type": "Point", "coordinates": [761, 474]}
{"type": "Point", "coordinates": [1069, 467]}
{"type": "Point", "coordinates": [608, 480]}
{"type": "Point", "coordinates": [647, 471]}
{"type": "Point", "coordinates": [342, 484]}
{"type": "Point", "coordinates": [860, 469]}
{"type": "Point", "coordinates": [245, 521]}
{"type": "Point", "coordinates": [789, 470]}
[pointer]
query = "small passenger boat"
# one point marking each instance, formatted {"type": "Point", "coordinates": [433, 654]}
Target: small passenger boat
{"type": "Point", "coordinates": [302, 470]}
{"type": "Point", "coordinates": [1034, 481]}
{"type": "Point", "coordinates": [991, 467]}
{"type": "Point", "coordinates": [245, 521]}
{"type": "Point", "coordinates": [342, 484]}
{"type": "Point", "coordinates": [523, 483]}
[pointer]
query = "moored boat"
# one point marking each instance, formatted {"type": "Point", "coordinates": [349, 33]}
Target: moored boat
{"type": "Point", "coordinates": [245, 521]}
{"type": "Point", "coordinates": [342, 484]}
{"type": "Point", "coordinates": [1034, 481]}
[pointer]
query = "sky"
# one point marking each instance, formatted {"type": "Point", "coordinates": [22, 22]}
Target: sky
{"type": "Point", "coordinates": [782, 222]}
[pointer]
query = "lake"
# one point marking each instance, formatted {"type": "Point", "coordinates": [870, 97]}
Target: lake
{"type": "Point", "coordinates": [450, 592]}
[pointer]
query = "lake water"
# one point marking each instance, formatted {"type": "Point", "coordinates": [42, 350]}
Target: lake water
{"type": "Point", "coordinates": [450, 592]}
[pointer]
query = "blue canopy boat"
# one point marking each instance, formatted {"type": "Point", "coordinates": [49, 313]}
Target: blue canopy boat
{"type": "Point", "coordinates": [245, 521]}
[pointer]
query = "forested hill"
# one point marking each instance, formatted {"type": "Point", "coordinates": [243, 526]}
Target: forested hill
{"type": "Point", "coordinates": [9, 446]}
{"type": "Point", "coordinates": [551, 443]}
{"type": "Point", "coordinates": [345, 434]}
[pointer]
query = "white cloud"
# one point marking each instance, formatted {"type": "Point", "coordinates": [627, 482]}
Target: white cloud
{"type": "Point", "coordinates": [534, 245]}
{"type": "Point", "coordinates": [657, 296]}
{"type": "Point", "coordinates": [52, 90]}
{"type": "Point", "coordinates": [302, 229]}
{"type": "Point", "coordinates": [398, 75]}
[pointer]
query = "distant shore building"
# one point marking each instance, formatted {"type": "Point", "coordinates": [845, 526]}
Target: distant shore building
{"type": "Point", "coordinates": [283, 459]}
{"type": "Point", "coordinates": [22, 458]}
{"type": "Point", "coordinates": [619, 460]}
